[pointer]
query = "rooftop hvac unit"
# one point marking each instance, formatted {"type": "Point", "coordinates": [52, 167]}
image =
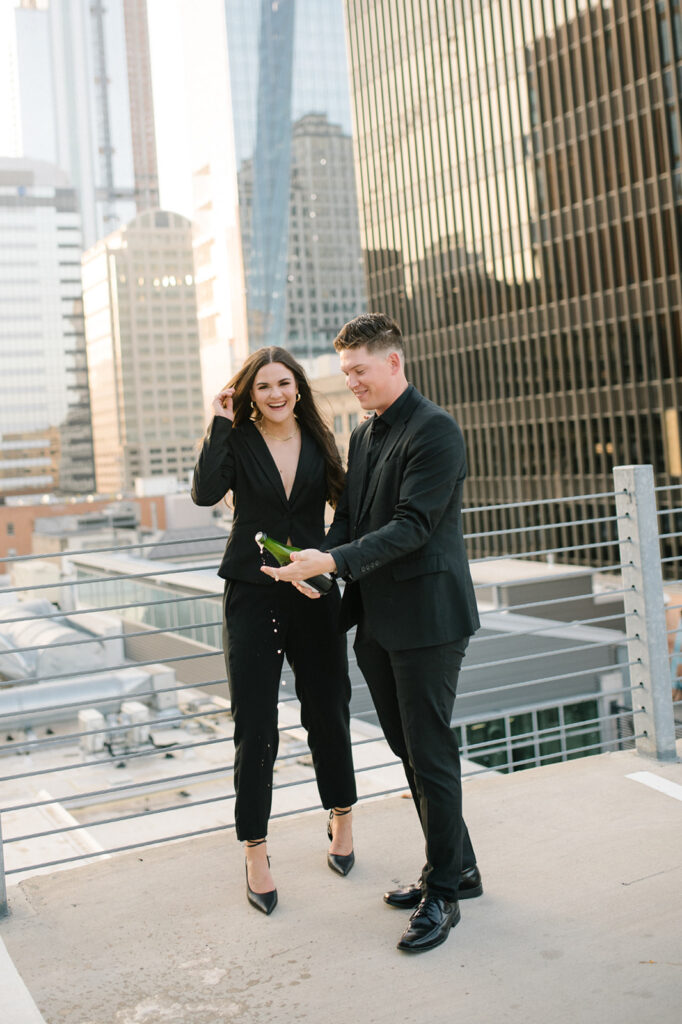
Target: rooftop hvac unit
{"type": "Point", "coordinates": [137, 715]}
{"type": "Point", "coordinates": [89, 720]}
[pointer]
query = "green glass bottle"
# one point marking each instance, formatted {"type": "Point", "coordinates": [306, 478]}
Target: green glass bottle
{"type": "Point", "coordinates": [282, 553]}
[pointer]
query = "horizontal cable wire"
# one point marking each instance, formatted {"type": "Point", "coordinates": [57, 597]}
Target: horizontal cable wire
{"type": "Point", "coordinates": [132, 755]}
{"type": "Point", "coordinates": [88, 702]}
{"type": "Point", "coordinates": [149, 574]}
{"type": "Point", "coordinates": [669, 487]}
{"type": "Point", "coordinates": [616, 667]}
{"type": "Point", "coordinates": [552, 733]}
{"type": "Point", "coordinates": [60, 740]}
{"type": "Point", "coordinates": [117, 668]}
{"type": "Point", "coordinates": [127, 756]}
{"type": "Point", "coordinates": [561, 755]}
{"type": "Point", "coordinates": [189, 835]}
{"type": "Point", "coordinates": [76, 552]}
{"type": "Point", "coordinates": [545, 501]}
{"type": "Point", "coordinates": [545, 654]}
{"type": "Point", "coordinates": [113, 607]}
{"type": "Point", "coordinates": [557, 625]}
{"type": "Point", "coordinates": [605, 595]}
{"type": "Point", "coordinates": [96, 639]}
{"type": "Point", "coordinates": [543, 526]}
{"type": "Point", "coordinates": [179, 807]}
{"type": "Point", "coordinates": [54, 739]}
{"type": "Point", "coordinates": [550, 551]}
{"type": "Point", "coordinates": [578, 698]}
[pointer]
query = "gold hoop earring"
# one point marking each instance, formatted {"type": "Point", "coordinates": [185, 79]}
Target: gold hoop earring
{"type": "Point", "coordinates": [253, 406]}
{"type": "Point", "coordinates": [298, 396]}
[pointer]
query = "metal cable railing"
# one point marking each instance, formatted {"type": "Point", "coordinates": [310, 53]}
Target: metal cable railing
{"type": "Point", "coordinates": [570, 665]}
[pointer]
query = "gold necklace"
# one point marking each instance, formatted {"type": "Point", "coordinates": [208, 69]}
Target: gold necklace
{"type": "Point", "coordinates": [273, 437]}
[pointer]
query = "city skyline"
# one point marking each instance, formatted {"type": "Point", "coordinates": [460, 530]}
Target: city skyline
{"type": "Point", "coordinates": [520, 196]}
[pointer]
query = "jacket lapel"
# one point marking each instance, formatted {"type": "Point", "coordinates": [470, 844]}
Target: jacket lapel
{"type": "Point", "coordinates": [357, 471]}
{"type": "Point", "coordinates": [394, 435]}
{"type": "Point", "coordinates": [390, 443]}
{"type": "Point", "coordinates": [265, 462]}
{"type": "Point", "coordinates": [304, 467]}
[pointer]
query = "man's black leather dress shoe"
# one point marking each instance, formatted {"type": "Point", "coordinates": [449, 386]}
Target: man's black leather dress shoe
{"type": "Point", "coordinates": [470, 885]}
{"type": "Point", "coordinates": [429, 925]}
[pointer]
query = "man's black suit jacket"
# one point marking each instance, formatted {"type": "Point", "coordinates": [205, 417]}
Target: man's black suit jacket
{"type": "Point", "coordinates": [237, 459]}
{"type": "Point", "coordinates": [400, 545]}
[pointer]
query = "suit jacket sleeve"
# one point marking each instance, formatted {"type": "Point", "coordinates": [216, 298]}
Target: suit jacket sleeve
{"type": "Point", "coordinates": [215, 470]}
{"type": "Point", "coordinates": [435, 464]}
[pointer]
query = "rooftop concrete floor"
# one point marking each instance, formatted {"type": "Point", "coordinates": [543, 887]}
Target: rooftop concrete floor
{"type": "Point", "coordinates": [581, 919]}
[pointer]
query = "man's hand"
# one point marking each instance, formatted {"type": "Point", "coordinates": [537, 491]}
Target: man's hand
{"type": "Point", "coordinates": [303, 565]}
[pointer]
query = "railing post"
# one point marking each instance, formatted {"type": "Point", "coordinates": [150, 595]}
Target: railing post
{"type": "Point", "coordinates": [646, 625]}
{"type": "Point", "coordinates": [3, 884]}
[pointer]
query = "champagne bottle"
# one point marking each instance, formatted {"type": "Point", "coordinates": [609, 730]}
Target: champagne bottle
{"type": "Point", "coordinates": [282, 553]}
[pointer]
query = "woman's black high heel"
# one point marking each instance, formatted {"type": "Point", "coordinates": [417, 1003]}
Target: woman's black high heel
{"type": "Point", "coordinates": [339, 862]}
{"type": "Point", "coordinates": [263, 901]}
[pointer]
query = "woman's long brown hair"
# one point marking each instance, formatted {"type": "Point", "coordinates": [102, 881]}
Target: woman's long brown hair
{"type": "Point", "coordinates": [307, 412]}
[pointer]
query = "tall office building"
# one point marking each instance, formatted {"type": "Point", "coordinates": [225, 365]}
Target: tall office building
{"type": "Point", "coordinates": [291, 108]}
{"type": "Point", "coordinates": [143, 351]}
{"type": "Point", "coordinates": [45, 432]}
{"type": "Point", "coordinates": [80, 93]}
{"type": "Point", "coordinates": [521, 208]}
{"type": "Point", "coordinates": [325, 280]}
{"type": "Point", "coordinates": [277, 76]}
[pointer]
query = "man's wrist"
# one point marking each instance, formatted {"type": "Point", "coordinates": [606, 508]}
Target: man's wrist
{"type": "Point", "coordinates": [340, 564]}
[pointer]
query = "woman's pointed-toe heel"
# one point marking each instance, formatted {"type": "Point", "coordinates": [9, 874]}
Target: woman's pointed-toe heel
{"type": "Point", "coordinates": [263, 901]}
{"type": "Point", "coordinates": [339, 862]}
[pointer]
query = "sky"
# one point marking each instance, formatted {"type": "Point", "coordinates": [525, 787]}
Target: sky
{"type": "Point", "coordinates": [170, 106]}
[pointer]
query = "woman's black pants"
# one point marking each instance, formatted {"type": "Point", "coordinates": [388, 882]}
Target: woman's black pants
{"type": "Point", "coordinates": [263, 624]}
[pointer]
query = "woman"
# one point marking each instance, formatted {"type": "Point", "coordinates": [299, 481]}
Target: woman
{"type": "Point", "coordinates": [268, 445]}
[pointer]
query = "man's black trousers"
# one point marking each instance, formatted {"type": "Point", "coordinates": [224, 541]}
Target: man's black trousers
{"type": "Point", "coordinates": [414, 694]}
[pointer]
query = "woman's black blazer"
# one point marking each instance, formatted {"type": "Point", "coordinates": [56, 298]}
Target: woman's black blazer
{"type": "Point", "coordinates": [237, 459]}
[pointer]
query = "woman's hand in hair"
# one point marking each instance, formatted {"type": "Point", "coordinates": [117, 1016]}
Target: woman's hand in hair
{"type": "Point", "coordinates": [222, 404]}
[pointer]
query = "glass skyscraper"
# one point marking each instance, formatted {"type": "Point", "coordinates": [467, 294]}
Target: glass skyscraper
{"type": "Point", "coordinates": [289, 81]}
{"type": "Point", "coordinates": [520, 186]}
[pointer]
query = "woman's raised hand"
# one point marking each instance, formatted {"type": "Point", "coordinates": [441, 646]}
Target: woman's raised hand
{"type": "Point", "coordinates": [222, 404]}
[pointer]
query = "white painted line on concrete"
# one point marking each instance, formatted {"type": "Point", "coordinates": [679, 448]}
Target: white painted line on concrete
{"type": "Point", "coordinates": [656, 782]}
{"type": "Point", "coordinates": [17, 1005]}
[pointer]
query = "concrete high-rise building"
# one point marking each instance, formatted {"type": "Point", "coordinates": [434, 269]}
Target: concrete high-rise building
{"type": "Point", "coordinates": [80, 93]}
{"type": "Point", "coordinates": [45, 431]}
{"type": "Point", "coordinates": [521, 207]}
{"type": "Point", "coordinates": [143, 351]}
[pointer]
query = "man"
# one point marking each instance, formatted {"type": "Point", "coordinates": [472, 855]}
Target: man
{"type": "Point", "coordinates": [397, 540]}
